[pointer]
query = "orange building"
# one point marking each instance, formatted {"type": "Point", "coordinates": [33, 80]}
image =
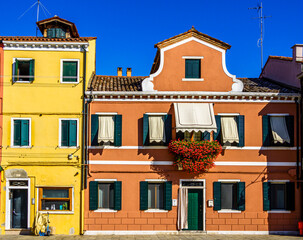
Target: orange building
{"type": "Point", "coordinates": [189, 94]}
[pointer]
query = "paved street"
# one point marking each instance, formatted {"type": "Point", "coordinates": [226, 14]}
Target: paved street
{"type": "Point", "coordinates": [159, 236]}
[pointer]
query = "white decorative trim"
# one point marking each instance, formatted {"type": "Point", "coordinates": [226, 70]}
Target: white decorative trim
{"type": "Point", "coordinates": [229, 180]}
{"type": "Point", "coordinates": [278, 181]}
{"type": "Point", "coordinates": [192, 79]}
{"type": "Point", "coordinates": [91, 232]}
{"type": "Point", "coordinates": [165, 147]}
{"type": "Point", "coordinates": [106, 113]}
{"type": "Point", "coordinates": [147, 84]}
{"type": "Point", "coordinates": [155, 180]}
{"type": "Point", "coordinates": [8, 202]}
{"type": "Point", "coordinates": [229, 211]}
{"type": "Point", "coordinates": [156, 210]}
{"type": "Point", "coordinates": [278, 114]}
{"type": "Point", "coordinates": [228, 114]}
{"type": "Point", "coordinates": [61, 70]}
{"type": "Point", "coordinates": [156, 114]}
{"type": "Point", "coordinates": [29, 133]}
{"type": "Point", "coordinates": [254, 232]}
{"type": "Point", "coordinates": [168, 163]}
{"type": "Point", "coordinates": [105, 180]}
{"type": "Point", "coordinates": [44, 46]}
{"type": "Point", "coordinates": [105, 210]}
{"type": "Point", "coordinates": [192, 57]}
{"type": "Point", "coordinates": [60, 126]}
{"type": "Point", "coordinates": [278, 211]}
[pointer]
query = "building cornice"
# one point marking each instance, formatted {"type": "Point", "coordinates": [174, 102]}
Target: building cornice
{"type": "Point", "coordinates": [44, 46]}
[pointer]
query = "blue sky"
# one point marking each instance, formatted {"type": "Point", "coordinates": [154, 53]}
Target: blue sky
{"type": "Point", "coordinates": [128, 30]}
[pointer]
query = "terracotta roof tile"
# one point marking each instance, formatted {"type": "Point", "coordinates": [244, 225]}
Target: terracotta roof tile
{"type": "Point", "coordinates": [115, 83]}
{"type": "Point", "coordinates": [281, 58]}
{"type": "Point", "coordinates": [43, 39]}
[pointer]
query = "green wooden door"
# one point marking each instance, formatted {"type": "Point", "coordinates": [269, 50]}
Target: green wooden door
{"type": "Point", "coordinates": [195, 209]}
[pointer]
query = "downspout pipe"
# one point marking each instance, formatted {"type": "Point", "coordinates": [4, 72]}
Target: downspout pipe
{"type": "Point", "coordinates": [83, 147]}
{"type": "Point", "coordinates": [301, 145]}
{"type": "Point", "coordinates": [298, 140]}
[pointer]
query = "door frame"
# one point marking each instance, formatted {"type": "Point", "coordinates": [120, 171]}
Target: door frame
{"type": "Point", "coordinates": [8, 202]}
{"type": "Point", "coordinates": [198, 187]}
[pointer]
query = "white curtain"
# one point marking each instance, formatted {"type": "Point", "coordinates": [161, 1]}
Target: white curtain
{"type": "Point", "coordinates": [156, 129]}
{"type": "Point", "coordinates": [279, 130]}
{"type": "Point", "coordinates": [229, 130]}
{"type": "Point", "coordinates": [182, 209]}
{"type": "Point", "coordinates": [106, 129]}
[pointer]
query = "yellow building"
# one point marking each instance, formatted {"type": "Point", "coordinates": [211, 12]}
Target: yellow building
{"type": "Point", "coordinates": [42, 142]}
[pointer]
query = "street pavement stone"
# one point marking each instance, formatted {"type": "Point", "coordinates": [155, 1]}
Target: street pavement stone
{"type": "Point", "coordinates": [155, 237]}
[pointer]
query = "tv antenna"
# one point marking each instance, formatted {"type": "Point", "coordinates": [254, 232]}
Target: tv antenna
{"type": "Point", "coordinates": [39, 5]}
{"type": "Point", "coordinates": [259, 8]}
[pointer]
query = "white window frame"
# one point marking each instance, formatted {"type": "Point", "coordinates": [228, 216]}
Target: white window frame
{"type": "Point", "coordinates": [104, 181]}
{"type": "Point", "coordinates": [61, 70]}
{"type": "Point", "coordinates": [278, 182]}
{"type": "Point", "coordinates": [29, 134]}
{"type": "Point", "coordinates": [56, 212]}
{"type": "Point", "coordinates": [193, 79]}
{"type": "Point", "coordinates": [14, 66]}
{"type": "Point", "coordinates": [155, 181]}
{"type": "Point", "coordinates": [60, 126]}
{"type": "Point", "coordinates": [229, 181]}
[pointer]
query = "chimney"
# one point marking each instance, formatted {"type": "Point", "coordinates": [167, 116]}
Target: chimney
{"type": "Point", "coordinates": [129, 72]}
{"type": "Point", "coordinates": [119, 71]}
{"type": "Point", "coordinates": [297, 52]}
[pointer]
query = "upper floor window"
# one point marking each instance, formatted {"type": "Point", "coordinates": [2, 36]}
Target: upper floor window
{"type": "Point", "coordinates": [230, 130]}
{"type": "Point", "coordinates": [56, 33]}
{"type": "Point", "coordinates": [192, 68]}
{"type": "Point", "coordinates": [69, 133]}
{"type": "Point", "coordinates": [106, 129]}
{"type": "Point", "coordinates": [70, 70]}
{"type": "Point", "coordinates": [156, 129]}
{"type": "Point", "coordinates": [23, 70]}
{"type": "Point", "coordinates": [195, 136]}
{"type": "Point", "coordinates": [20, 132]}
{"type": "Point", "coordinates": [278, 130]}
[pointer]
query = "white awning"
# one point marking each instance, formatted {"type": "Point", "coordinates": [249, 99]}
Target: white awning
{"type": "Point", "coordinates": [195, 117]}
{"type": "Point", "coordinates": [279, 129]}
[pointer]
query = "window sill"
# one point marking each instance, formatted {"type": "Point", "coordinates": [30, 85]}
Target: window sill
{"type": "Point", "coordinates": [69, 82]}
{"type": "Point", "coordinates": [156, 210]}
{"type": "Point", "coordinates": [229, 211]}
{"type": "Point", "coordinates": [23, 81]}
{"type": "Point", "coordinates": [21, 146]}
{"type": "Point", "coordinates": [193, 79]}
{"type": "Point", "coordinates": [74, 147]}
{"type": "Point", "coordinates": [57, 212]}
{"type": "Point", "coordinates": [105, 210]}
{"type": "Point", "coordinates": [278, 211]}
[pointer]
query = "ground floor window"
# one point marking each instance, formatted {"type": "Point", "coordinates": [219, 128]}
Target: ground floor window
{"type": "Point", "coordinates": [55, 199]}
{"type": "Point", "coordinates": [106, 195]}
{"type": "Point", "coordinates": [155, 196]}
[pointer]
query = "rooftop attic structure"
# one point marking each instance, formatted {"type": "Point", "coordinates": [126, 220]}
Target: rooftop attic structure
{"type": "Point", "coordinates": [57, 27]}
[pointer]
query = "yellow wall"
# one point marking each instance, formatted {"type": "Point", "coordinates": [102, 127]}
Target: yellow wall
{"type": "Point", "coordinates": [45, 101]}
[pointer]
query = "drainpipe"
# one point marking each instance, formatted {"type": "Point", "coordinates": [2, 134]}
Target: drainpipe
{"type": "Point", "coordinates": [301, 139]}
{"type": "Point", "coordinates": [83, 147]}
{"type": "Point", "coordinates": [298, 140]}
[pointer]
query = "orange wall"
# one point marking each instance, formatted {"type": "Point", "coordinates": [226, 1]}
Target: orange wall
{"type": "Point", "coordinates": [170, 79]}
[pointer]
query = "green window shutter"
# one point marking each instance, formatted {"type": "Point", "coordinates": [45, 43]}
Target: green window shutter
{"type": "Point", "coordinates": [241, 132]}
{"type": "Point", "coordinates": [179, 135]}
{"type": "Point", "coordinates": [60, 33]}
{"type": "Point", "coordinates": [15, 70]}
{"type": "Point", "coordinates": [196, 68]}
{"type": "Point", "coordinates": [64, 133]}
{"type": "Point", "coordinates": [143, 195]}
{"type": "Point", "coordinates": [217, 135]}
{"type": "Point", "coordinates": [168, 195]}
{"type": "Point", "coordinates": [290, 128]}
{"type": "Point", "coordinates": [70, 71]}
{"type": "Point", "coordinates": [192, 68]}
{"type": "Point", "coordinates": [206, 135]}
{"type": "Point", "coordinates": [118, 130]}
{"type": "Point", "coordinates": [51, 33]}
{"type": "Point", "coordinates": [145, 130]}
{"type": "Point", "coordinates": [32, 70]}
{"type": "Point", "coordinates": [217, 196]}
{"type": "Point", "coordinates": [93, 195]}
{"type": "Point", "coordinates": [241, 196]}
{"type": "Point", "coordinates": [168, 128]}
{"type": "Point", "coordinates": [17, 132]}
{"type": "Point", "coordinates": [94, 125]}
{"type": "Point", "coordinates": [24, 132]}
{"type": "Point", "coordinates": [72, 136]}
{"type": "Point", "coordinates": [117, 195]}
{"type": "Point", "coordinates": [266, 196]}
{"type": "Point", "coordinates": [290, 196]}
{"type": "Point", "coordinates": [266, 130]}
{"type": "Point", "coordinates": [188, 69]}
